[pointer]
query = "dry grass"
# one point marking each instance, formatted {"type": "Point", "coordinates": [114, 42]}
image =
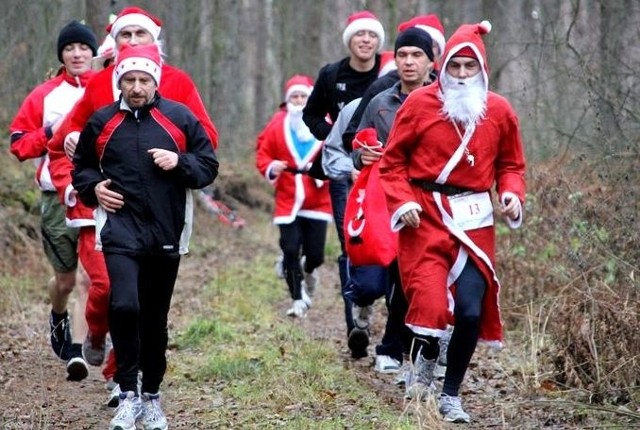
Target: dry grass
{"type": "Point", "coordinates": [573, 269]}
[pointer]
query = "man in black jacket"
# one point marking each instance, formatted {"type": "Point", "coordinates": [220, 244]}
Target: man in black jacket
{"type": "Point", "coordinates": [137, 161]}
{"type": "Point", "coordinates": [337, 84]}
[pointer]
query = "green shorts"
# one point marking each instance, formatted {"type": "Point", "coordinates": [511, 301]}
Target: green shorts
{"type": "Point", "coordinates": [60, 242]}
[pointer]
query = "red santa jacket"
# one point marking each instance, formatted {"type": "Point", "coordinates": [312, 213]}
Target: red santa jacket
{"type": "Point", "coordinates": [101, 90]}
{"type": "Point", "coordinates": [296, 193]}
{"type": "Point", "coordinates": [30, 130]}
{"type": "Point", "coordinates": [424, 146]}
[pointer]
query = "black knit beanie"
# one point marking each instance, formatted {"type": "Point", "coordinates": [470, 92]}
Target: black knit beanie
{"type": "Point", "coordinates": [415, 37]}
{"type": "Point", "coordinates": [75, 32]}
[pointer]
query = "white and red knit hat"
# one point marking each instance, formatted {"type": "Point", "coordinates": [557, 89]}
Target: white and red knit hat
{"type": "Point", "coordinates": [467, 40]}
{"type": "Point", "coordinates": [298, 83]}
{"type": "Point", "coordinates": [135, 16]}
{"type": "Point", "coordinates": [363, 20]}
{"type": "Point", "coordinates": [141, 58]}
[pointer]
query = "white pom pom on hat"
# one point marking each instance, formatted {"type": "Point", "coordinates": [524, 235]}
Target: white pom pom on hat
{"type": "Point", "coordinates": [485, 27]}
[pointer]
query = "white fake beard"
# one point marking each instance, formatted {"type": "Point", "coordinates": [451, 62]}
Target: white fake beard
{"type": "Point", "coordinates": [463, 100]}
{"type": "Point", "coordinates": [297, 124]}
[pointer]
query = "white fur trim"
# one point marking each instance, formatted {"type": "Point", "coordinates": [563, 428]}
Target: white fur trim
{"type": "Point", "coordinates": [427, 331]}
{"type": "Point", "coordinates": [486, 26]}
{"type": "Point", "coordinates": [512, 223]}
{"type": "Point", "coordinates": [267, 173]}
{"type": "Point", "coordinates": [369, 24]}
{"type": "Point", "coordinates": [135, 19]}
{"type": "Point", "coordinates": [436, 36]}
{"type": "Point", "coordinates": [69, 200]}
{"type": "Point", "coordinates": [314, 214]}
{"type": "Point", "coordinates": [396, 223]}
{"type": "Point", "coordinates": [458, 267]}
{"type": "Point", "coordinates": [79, 222]}
{"type": "Point", "coordinates": [297, 88]}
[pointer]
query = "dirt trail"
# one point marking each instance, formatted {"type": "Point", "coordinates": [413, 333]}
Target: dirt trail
{"type": "Point", "coordinates": [35, 395]}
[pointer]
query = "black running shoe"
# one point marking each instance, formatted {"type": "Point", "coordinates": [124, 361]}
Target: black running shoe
{"type": "Point", "coordinates": [60, 336]}
{"type": "Point", "coordinates": [358, 342]}
{"type": "Point", "coordinates": [77, 367]}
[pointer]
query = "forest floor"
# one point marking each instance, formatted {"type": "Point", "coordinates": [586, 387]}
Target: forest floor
{"type": "Point", "coordinates": [500, 390]}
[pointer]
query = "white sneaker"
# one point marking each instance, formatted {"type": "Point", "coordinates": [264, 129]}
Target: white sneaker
{"type": "Point", "coordinates": [419, 384]}
{"type": "Point", "coordinates": [386, 364]}
{"type": "Point", "coordinates": [128, 412]}
{"type": "Point", "coordinates": [298, 310]}
{"type": "Point", "coordinates": [152, 416]}
{"type": "Point", "coordinates": [305, 297]}
{"type": "Point", "coordinates": [450, 408]}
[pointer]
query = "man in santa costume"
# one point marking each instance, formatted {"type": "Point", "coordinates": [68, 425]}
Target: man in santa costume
{"type": "Point", "coordinates": [132, 26]}
{"type": "Point", "coordinates": [284, 152]}
{"type": "Point", "coordinates": [451, 143]}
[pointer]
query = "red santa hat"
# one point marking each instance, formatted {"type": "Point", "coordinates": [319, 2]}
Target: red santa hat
{"type": "Point", "coordinates": [135, 16]}
{"type": "Point", "coordinates": [107, 48]}
{"type": "Point", "coordinates": [429, 23]}
{"type": "Point", "coordinates": [363, 20]}
{"type": "Point", "coordinates": [141, 58]}
{"type": "Point", "coordinates": [387, 63]}
{"type": "Point", "coordinates": [298, 83]}
{"type": "Point", "coordinates": [467, 42]}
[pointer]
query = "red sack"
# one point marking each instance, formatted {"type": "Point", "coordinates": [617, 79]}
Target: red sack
{"type": "Point", "coordinates": [367, 224]}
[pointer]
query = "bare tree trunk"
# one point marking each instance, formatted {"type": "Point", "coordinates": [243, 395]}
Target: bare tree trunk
{"type": "Point", "coordinates": [267, 76]}
{"type": "Point", "coordinates": [98, 16]}
{"type": "Point", "coordinates": [609, 94]}
{"type": "Point", "coordinates": [569, 68]}
{"type": "Point", "coordinates": [205, 41]}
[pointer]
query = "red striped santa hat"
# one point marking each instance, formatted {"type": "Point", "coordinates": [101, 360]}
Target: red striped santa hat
{"type": "Point", "coordinates": [133, 15]}
{"type": "Point", "coordinates": [363, 20]}
{"type": "Point", "coordinates": [141, 58]}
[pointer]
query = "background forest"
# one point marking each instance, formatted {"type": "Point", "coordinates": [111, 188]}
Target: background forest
{"type": "Point", "coordinates": [569, 67]}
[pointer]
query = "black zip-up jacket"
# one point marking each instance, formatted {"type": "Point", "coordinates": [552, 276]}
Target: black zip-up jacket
{"type": "Point", "coordinates": [337, 85]}
{"type": "Point", "coordinates": [157, 209]}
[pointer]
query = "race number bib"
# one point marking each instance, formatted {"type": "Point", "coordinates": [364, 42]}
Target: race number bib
{"type": "Point", "coordinates": [472, 211]}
